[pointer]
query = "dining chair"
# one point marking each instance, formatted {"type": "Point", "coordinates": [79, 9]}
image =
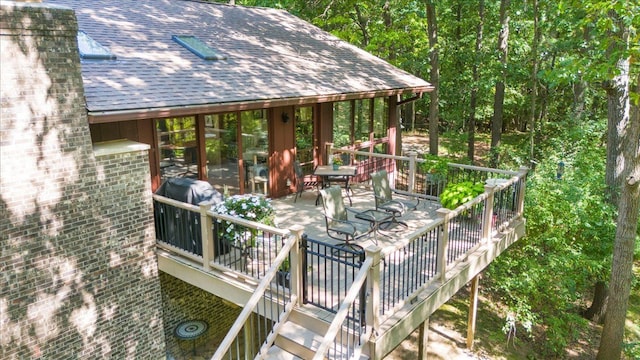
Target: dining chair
{"type": "Point", "coordinates": [301, 185]}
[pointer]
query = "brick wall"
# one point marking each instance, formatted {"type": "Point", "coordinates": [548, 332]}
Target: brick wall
{"type": "Point", "coordinates": [182, 301]}
{"type": "Point", "coordinates": [78, 273]}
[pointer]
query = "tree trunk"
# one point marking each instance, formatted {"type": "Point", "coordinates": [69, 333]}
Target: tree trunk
{"type": "Point", "coordinates": [617, 109]}
{"type": "Point", "coordinates": [432, 29]}
{"type": "Point", "coordinates": [362, 23]}
{"type": "Point", "coordinates": [534, 79]}
{"type": "Point", "coordinates": [498, 103]}
{"type": "Point", "coordinates": [471, 125]}
{"type": "Point", "coordinates": [598, 306]}
{"type": "Point", "coordinates": [626, 231]}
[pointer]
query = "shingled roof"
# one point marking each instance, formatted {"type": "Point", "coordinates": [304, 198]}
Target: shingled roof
{"type": "Point", "coordinates": [270, 55]}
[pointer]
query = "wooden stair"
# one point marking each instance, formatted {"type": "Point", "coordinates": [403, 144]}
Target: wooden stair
{"type": "Point", "coordinates": [296, 341]}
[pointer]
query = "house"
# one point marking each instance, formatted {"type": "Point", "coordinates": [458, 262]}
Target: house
{"type": "Point", "coordinates": [84, 274]}
{"type": "Point", "coordinates": [230, 94]}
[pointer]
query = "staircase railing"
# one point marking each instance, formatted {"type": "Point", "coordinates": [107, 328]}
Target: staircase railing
{"type": "Point", "coordinates": [249, 337]}
{"type": "Point", "coordinates": [349, 322]}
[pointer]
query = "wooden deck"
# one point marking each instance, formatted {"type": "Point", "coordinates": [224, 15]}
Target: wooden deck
{"type": "Point", "coordinates": [411, 271]}
{"type": "Point", "coordinates": [306, 213]}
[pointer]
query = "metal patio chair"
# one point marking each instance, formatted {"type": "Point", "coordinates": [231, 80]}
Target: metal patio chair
{"type": "Point", "coordinates": [385, 201]}
{"type": "Point", "coordinates": [339, 225]}
{"type": "Point", "coordinates": [301, 185]}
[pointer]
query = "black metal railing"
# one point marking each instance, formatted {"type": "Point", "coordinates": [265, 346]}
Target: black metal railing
{"type": "Point", "coordinates": [505, 203]}
{"type": "Point", "coordinates": [465, 232]}
{"type": "Point", "coordinates": [328, 272]}
{"type": "Point", "coordinates": [237, 244]}
{"type": "Point", "coordinates": [406, 269]}
{"type": "Point", "coordinates": [178, 226]}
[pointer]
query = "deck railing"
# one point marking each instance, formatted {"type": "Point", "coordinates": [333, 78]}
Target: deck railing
{"type": "Point", "coordinates": [199, 234]}
{"type": "Point", "coordinates": [407, 267]}
{"type": "Point", "coordinates": [257, 326]}
{"type": "Point", "coordinates": [327, 279]}
{"type": "Point", "coordinates": [348, 332]}
{"type": "Point", "coordinates": [329, 273]}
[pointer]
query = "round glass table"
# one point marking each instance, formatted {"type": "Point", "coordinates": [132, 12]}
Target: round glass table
{"type": "Point", "coordinates": [191, 330]}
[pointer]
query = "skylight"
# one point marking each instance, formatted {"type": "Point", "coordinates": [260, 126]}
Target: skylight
{"type": "Point", "coordinates": [198, 47]}
{"type": "Point", "coordinates": [91, 49]}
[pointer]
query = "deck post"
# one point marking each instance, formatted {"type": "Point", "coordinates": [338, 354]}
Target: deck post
{"type": "Point", "coordinates": [443, 242]}
{"type": "Point", "coordinates": [329, 153]}
{"type": "Point", "coordinates": [373, 279]}
{"type": "Point", "coordinates": [248, 336]}
{"type": "Point", "coordinates": [473, 309]}
{"type": "Point", "coordinates": [487, 220]}
{"type": "Point", "coordinates": [523, 184]}
{"type": "Point", "coordinates": [295, 268]}
{"type": "Point", "coordinates": [412, 171]}
{"type": "Point", "coordinates": [206, 232]}
{"type": "Point", "coordinates": [423, 340]}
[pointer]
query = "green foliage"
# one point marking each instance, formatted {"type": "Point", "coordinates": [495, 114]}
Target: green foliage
{"type": "Point", "coordinates": [570, 234]}
{"type": "Point", "coordinates": [285, 266]}
{"type": "Point", "coordinates": [437, 167]}
{"type": "Point", "coordinates": [456, 194]}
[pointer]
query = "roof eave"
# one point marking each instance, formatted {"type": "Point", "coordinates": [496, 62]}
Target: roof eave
{"type": "Point", "coordinates": [97, 117]}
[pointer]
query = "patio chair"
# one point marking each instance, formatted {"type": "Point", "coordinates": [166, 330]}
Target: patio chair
{"type": "Point", "coordinates": [339, 226]}
{"type": "Point", "coordinates": [301, 185]}
{"type": "Point", "coordinates": [385, 201]}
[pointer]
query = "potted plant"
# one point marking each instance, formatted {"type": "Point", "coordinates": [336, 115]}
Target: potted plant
{"type": "Point", "coordinates": [337, 161]}
{"type": "Point", "coordinates": [283, 275]}
{"type": "Point", "coordinates": [249, 207]}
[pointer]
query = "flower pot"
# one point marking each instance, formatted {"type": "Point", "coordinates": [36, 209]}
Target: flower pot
{"type": "Point", "coordinates": [336, 166]}
{"type": "Point", "coordinates": [282, 278]}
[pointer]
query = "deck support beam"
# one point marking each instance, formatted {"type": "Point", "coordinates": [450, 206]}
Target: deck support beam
{"type": "Point", "coordinates": [473, 309]}
{"type": "Point", "coordinates": [423, 341]}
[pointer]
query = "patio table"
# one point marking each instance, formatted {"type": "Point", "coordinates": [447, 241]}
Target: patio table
{"type": "Point", "coordinates": [375, 218]}
{"type": "Point", "coordinates": [328, 174]}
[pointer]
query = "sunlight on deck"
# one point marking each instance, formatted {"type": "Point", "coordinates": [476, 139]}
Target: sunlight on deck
{"type": "Point", "coordinates": [304, 212]}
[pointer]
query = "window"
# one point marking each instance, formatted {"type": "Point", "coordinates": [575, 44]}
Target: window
{"type": "Point", "coordinates": [380, 118]}
{"type": "Point", "coordinates": [342, 116]}
{"type": "Point", "coordinates": [91, 49]}
{"type": "Point", "coordinates": [198, 47]}
{"type": "Point", "coordinates": [304, 134]}
{"type": "Point", "coordinates": [361, 121]}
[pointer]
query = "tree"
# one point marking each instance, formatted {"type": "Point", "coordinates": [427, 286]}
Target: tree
{"type": "Point", "coordinates": [626, 233]}
{"type": "Point", "coordinates": [476, 79]}
{"type": "Point", "coordinates": [432, 29]}
{"type": "Point", "coordinates": [498, 104]}
{"type": "Point", "coordinates": [534, 78]}
{"type": "Point", "coordinates": [617, 91]}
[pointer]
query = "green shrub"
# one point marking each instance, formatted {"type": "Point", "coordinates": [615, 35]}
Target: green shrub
{"type": "Point", "coordinates": [456, 194]}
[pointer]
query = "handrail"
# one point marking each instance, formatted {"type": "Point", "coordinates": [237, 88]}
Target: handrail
{"type": "Point", "coordinates": [478, 168]}
{"type": "Point", "coordinates": [226, 343]}
{"type": "Point", "coordinates": [176, 203]}
{"type": "Point", "coordinates": [343, 311]}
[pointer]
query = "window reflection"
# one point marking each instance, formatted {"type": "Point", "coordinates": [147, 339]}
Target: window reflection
{"type": "Point", "coordinates": [255, 150]}
{"type": "Point", "coordinates": [222, 152]}
{"type": "Point", "coordinates": [178, 147]}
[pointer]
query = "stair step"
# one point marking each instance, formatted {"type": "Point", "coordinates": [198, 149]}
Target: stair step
{"type": "Point", "coordinates": [298, 340]}
{"type": "Point", "coordinates": [301, 342]}
{"type": "Point", "coordinates": [278, 353]}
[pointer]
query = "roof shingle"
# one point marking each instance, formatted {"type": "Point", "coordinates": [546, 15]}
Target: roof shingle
{"type": "Point", "coordinates": [271, 54]}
